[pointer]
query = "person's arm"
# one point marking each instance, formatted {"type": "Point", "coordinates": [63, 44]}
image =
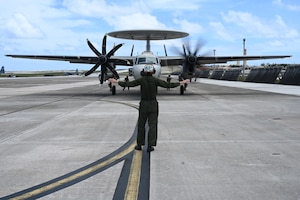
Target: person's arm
{"type": "Point", "coordinates": [124, 83]}
{"type": "Point", "coordinates": [184, 81]}
{"type": "Point", "coordinates": [165, 84]}
{"type": "Point", "coordinates": [112, 80]}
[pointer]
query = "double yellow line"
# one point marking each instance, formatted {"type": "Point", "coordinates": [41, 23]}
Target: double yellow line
{"type": "Point", "coordinates": [132, 189]}
{"type": "Point", "coordinates": [133, 181]}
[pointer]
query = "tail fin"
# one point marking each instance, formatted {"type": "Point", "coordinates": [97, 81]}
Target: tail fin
{"type": "Point", "coordinates": [2, 71]}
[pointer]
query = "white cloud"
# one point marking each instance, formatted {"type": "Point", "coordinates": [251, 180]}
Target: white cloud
{"type": "Point", "coordinates": [291, 7]}
{"type": "Point", "coordinates": [276, 43]}
{"type": "Point", "coordinates": [137, 21]}
{"type": "Point", "coordinates": [121, 15]}
{"type": "Point", "coordinates": [249, 23]}
{"type": "Point", "coordinates": [191, 27]}
{"type": "Point", "coordinates": [284, 30]}
{"type": "Point", "coordinates": [101, 8]}
{"type": "Point", "coordinates": [257, 27]}
{"type": "Point", "coordinates": [18, 26]}
{"type": "Point", "coordinates": [221, 31]}
{"type": "Point", "coordinates": [277, 2]}
{"type": "Point", "coordinates": [174, 4]}
{"type": "Point", "coordinates": [280, 21]}
{"type": "Point", "coordinates": [132, 14]}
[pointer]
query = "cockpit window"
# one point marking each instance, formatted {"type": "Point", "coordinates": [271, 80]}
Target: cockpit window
{"type": "Point", "coordinates": [148, 60]}
{"type": "Point", "coordinates": [151, 60]}
{"type": "Point", "coordinates": [141, 60]}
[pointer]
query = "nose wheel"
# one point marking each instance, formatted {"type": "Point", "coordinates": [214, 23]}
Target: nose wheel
{"type": "Point", "coordinates": [113, 90]}
{"type": "Point", "coordinates": [182, 88]}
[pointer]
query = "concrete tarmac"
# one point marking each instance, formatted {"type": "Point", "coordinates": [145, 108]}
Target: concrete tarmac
{"type": "Point", "coordinates": [68, 138]}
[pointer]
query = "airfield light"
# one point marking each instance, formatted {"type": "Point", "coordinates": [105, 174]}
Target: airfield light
{"type": "Point", "coordinates": [214, 56]}
{"type": "Point", "coordinates": [244, 53]}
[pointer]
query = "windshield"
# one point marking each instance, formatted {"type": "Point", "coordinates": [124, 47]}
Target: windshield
{"type": "Point", "coordinates": [143, 60]}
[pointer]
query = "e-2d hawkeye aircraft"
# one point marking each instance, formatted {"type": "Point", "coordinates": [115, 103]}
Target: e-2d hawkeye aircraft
{"type": "Point", "coordinates": [188, 59]}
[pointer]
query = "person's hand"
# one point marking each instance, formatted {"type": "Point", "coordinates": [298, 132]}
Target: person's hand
{"type": "Point", "coordinates": [112, 80]}
{"type": "Point", "coordinates": [184, 81]}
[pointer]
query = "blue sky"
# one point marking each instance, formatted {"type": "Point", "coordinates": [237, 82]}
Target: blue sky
{"type": "Point", "coordinates": [61, 27]}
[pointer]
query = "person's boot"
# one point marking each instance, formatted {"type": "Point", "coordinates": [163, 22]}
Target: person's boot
{"type": "Point", "coordinates": [138, 147]}
{"type": "Point", "coordinates": [150, 148]}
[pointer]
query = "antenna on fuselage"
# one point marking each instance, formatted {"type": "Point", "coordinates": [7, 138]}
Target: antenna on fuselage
{"type": "Point", "coordinates": [165, 50]}
{"type": "Point", "coordinates": [132, 50]}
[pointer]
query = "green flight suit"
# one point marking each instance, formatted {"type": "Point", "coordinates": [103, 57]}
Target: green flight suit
{"type": "Point", "coordinates": [148, 109]}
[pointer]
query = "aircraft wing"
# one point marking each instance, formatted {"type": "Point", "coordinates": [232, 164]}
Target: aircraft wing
{"type": "Point", "coordinates": [117, 60]}
{"type": "Point", "coordinates": [165, 60]}
{"type": "Point", "coordinates": [178, 60]}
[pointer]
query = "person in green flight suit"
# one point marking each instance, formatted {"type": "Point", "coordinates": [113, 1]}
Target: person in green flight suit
{"type": "Point", "coordinates": [148, 109]}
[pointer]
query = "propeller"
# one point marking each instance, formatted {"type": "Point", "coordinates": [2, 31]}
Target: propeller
{"type": "Point", "coordinates": [189, 56]}
{"type": "Point", "coordinates": [103, 60]}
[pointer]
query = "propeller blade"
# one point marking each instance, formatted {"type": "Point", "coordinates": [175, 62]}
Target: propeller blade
{"type": "Point", "coordinates": [92, 69]}
{"type": "Point", "coordinates": [112, 70]}
{"type": "Point", "coordinates": [113, 50]}
{"type": "Point", "coordinates": [199, 45]}
{"type": "Point", "coordinates": [103, 70]}
{"type": "Point", "coordinates": [94, 49]}
{"type": "Point", "coordinates": [184, 52]}
{"type": "Point", "coordinates": [187, 50]}
{"type": "Point", "coordinates": [104, 45]}
{"type": "Point", "coordinates": [176, 50]}
{"type": "Point", "coordinates": [187, 46]}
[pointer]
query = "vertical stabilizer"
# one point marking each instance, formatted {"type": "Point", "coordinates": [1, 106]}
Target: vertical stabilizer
{"type": "Point", "coordinates": [2, 71]}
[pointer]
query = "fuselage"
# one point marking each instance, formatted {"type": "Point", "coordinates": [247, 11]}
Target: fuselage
{"type": "Point", "coordinates": [146, 58]}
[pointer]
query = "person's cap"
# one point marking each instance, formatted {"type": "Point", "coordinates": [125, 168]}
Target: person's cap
{"type": "Point", "coordinates": [148, 68]}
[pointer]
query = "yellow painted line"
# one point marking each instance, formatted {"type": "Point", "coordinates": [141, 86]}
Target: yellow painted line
{"type": "Point", "coordinates": [75, 176]}
{"type": "Point", "coordinates": [132, 189]}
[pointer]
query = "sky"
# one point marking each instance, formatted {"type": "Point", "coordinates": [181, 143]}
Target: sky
{"type": "Point", "coordinates": [61, 27]}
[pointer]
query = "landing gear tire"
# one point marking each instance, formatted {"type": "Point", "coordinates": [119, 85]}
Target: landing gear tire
{"type": "Point", "coordinates": [113, 90]}
{"type": "Point", "coordinates": [182, 90]}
